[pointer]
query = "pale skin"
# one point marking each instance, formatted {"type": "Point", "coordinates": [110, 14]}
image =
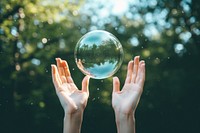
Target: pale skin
{"type": "Point", "coordinates": [71, 98]}
{"type": "Point", "coordinates": [74, 101]}
{"type": "Point", "coordinates": [125, 101]}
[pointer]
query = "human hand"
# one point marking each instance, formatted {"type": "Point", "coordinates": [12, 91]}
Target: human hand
{"type": "Point", "coordinates": [71, 98]}
{"type": "Point", "coordinates": [126, 100]}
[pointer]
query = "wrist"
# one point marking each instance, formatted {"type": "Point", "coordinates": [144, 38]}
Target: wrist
{"type": "Point", "coordinates": [124, 112]}
{"type": "Point", "coordinates": [73, 122]}
{"type": "Point", "coordinates": [121, 116]}
{"type": "Point", "coordinates": [125, 122]}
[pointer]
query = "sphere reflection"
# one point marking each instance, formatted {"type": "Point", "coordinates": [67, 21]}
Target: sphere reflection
{"type": "Point", "coordinates": [99, 54]}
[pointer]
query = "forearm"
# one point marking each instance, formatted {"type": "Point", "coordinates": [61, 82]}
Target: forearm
{"type": "Point", "coordinates": [125, 122]}
{"type": "Point", "coordinates": [72, 123]}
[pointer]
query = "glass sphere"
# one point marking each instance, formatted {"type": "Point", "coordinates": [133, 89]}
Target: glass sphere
{"type": "Point", "coordinates": [98, 54]}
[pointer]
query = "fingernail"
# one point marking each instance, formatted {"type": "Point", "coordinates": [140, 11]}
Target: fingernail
{"type": "Point", "coordinates": [143, 63]}
{"type": "Point", "coordinates": [114, 77]}
{"type": "Point", "coordinates": [136, 57]}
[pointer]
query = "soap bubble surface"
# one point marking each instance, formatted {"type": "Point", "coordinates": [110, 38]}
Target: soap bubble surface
{"type": "Point", "coordinates": [98, 54]}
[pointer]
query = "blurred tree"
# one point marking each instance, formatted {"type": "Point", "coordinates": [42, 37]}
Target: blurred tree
{"type": "Point", "coordinates": [164, 33]}
{"type": "Point", "coordinates": [31, 34]}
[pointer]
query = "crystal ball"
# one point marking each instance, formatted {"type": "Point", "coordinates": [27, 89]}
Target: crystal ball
{"type": "Point", "coordinates": [98, 54]}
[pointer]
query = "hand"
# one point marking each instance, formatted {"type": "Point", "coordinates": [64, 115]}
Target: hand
{"type": "Point", "coordinates": [126, 100]}
{"type": "Point", "coordinates": [71, 98]}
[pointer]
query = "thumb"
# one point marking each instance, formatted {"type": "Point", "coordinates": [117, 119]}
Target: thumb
{"type": "Point", "coordinates": [85, 84]}
{"type": "Point", "coordinates": [116, 84]}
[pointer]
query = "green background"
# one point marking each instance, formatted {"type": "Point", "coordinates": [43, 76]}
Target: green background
{"type": "Point", "coordinates": [166, 34]}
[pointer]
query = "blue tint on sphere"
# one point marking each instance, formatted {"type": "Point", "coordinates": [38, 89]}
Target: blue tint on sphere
{"type": "Point", "coordinates": [98, 54]}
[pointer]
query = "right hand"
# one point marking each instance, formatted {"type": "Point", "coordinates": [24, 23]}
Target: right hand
{"type": "Point", "coordinates": [71, 98]}
{"type": "Point", "coordinates": [126, 100]}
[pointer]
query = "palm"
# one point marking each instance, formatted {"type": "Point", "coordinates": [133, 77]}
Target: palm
{"type": "Point", "coordinates": [75, 97]}
{"type": "Point", "coordinates": [127, 99]}
{"type": "Point", "coordinates": [70, 96]}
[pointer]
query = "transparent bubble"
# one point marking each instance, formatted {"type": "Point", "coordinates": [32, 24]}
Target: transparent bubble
{"type": "Point", "coordinates": [99, 54]}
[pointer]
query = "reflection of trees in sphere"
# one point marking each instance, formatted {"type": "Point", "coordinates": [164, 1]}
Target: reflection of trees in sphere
{"type": "Point", "coordinates": [99, 54]}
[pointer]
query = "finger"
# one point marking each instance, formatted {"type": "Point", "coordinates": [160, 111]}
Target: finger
{"type": "Point", "coordinates": [139, 71]}
{"type": "Point", "coordinates": [129, 72]}
{"type": "Point", "coordinates": [135, 68]}
{"type": "Point", "coordinates": [66, 68]}
{"type": "Point", "coordinates": [116, 84]}
{"type": "Point", "coordinates": [70, 80]}
{"type": "Point", "coordinates": [141, 74]}
{"type": "Point", "coordinates": [67, 71]}
{"type": "Point", "coordinates": [55, 78]}
{"type": "Point", "coordinates": [85, 84]}
{"type": "Point", "coordinates": [63, 79]}
{"type": "Point", "coordinates": [60, 68]}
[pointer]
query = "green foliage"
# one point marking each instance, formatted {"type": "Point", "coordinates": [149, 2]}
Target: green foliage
{"type": "Point", "coordinates": [34, 32]}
